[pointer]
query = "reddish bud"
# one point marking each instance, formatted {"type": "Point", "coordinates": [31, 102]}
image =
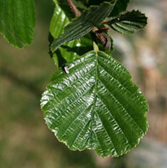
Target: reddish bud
{"type": "Point", "coordinates": [104, 40]}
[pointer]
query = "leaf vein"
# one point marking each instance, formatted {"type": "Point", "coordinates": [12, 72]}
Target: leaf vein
{"type": "Point", "coordinates": [121, 104]}
{"type": "Point", "coordinates": [104, 128]}
{"type": "Point", "coordinates": [76, 117]}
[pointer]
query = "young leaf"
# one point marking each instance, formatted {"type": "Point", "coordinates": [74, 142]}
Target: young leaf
{"type": "Point", "coordinates": [70, 50]}
{"type": "Point", "coordinates": [83, 24]}
{"type": "Point", "coordinates": [129, 22]}
{"type": "Point", "coordinates": [119, 7]}
{"type": "Point", "coordinates": [95, 106]}
{"type": "Point", "coordinates": [58, 22]}
{"type": "Point", "coordinates": [17, 21]}
{"type": "Point", "coordinates": [82, 5]}
{"type": "Point", "coordinates": [65, 8]}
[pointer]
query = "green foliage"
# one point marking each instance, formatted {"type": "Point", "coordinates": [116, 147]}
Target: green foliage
{"type": "Point", "coordinates": [91, 101]}
{"type": "Point", "coordinates": [17, 21]}
{"type": "Point", "coordinates": [129, 22]}
{"type": "Point", "coordinates": [95, 106]}
{"type": "Point", "coordinates": [120, 6]}
{"type": "Point", "coordinates": [83, 24]}
{"type": "Point", "coordinates": [58, 22]}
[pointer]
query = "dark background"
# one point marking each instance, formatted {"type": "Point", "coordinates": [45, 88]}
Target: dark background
{"type": "Point", "coordinates": [25, 141]}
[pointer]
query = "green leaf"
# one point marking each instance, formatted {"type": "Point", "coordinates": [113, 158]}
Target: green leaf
{"type": "Point", "coordinates": [65, 8]}
{"type": "Point", "coordinates": [95, 106]}
{"type": "Point", "coordinates": [58, 22]}
{"type": "Point", "coordinates": [119, 7]}
{"type": "Point", "coordinates": [83, 24]}
{"type": "Point", "coordinates": [70, 50]}
{"type": "Point", "coordinates": [82, 5]}
{"type": "Point", "coordinates": [17, 21]}
{"type": "Point", "coordinates": [129, 22]}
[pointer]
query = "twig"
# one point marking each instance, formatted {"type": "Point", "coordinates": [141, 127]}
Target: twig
{"type": "Point", "coordinates": [73, 8]}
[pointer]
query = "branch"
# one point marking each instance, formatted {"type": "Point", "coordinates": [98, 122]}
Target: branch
{"type": "Point", "coordinates": [73, 8]}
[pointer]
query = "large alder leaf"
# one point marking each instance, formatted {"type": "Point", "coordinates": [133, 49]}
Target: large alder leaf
{"type": "Point", "coordinates": [129, 22]}
{"type": "Point", "coordinates": [83, 24]}
{"type": "Point", "coordinates": [17, 21]}
{"type": "Point", "coordinates": [95, 106]}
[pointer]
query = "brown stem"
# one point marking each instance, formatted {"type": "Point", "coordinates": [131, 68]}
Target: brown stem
{"type": "Point", "coordinates": [73, 8]}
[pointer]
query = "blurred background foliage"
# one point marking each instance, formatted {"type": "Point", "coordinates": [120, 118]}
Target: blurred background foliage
{"type": "Point", "coordinates": [25, 140]}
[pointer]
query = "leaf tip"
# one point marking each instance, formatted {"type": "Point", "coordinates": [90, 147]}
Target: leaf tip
{"type": "Point", "coordinates": [95, 47]}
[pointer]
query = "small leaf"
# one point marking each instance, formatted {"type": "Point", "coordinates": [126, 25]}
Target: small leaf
{"type": "Point", "coordinates": [95, 106]}
{"type": "Point", "coordinates": [83, 24]}
{"type": "Point", "coordinates": [65, 8]}
{"type": "Point", "coordinates": [70, 50]}
{"type": "Point", "coordinates": [58, 22]}
{"type": "Point", "coordinates": [82, 5]}
{"type": "Point", "coordinates": [129, 22]}
{"type": "Point", "coordinates": [119, 7]}
{"type": "Point", "coordinates": [17, 21]}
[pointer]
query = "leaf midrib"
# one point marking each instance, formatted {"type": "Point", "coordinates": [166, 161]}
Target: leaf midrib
{"type": "Point", "coordinates": [94, 105]}
{"type": "Point", "coordinates": [12, 34]}
{"type": "Point", "coordinates": [95, 97]}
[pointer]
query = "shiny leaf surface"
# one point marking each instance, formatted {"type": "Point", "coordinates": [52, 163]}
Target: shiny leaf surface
{"type": "Point", "coordinates": [17, 21]}
{"type": "Point", "coordinates": [95, 106]}
{"type": "Point", "coordinates": [129, 22]}
{"type": "Point", "coordinates": [83, 24]}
